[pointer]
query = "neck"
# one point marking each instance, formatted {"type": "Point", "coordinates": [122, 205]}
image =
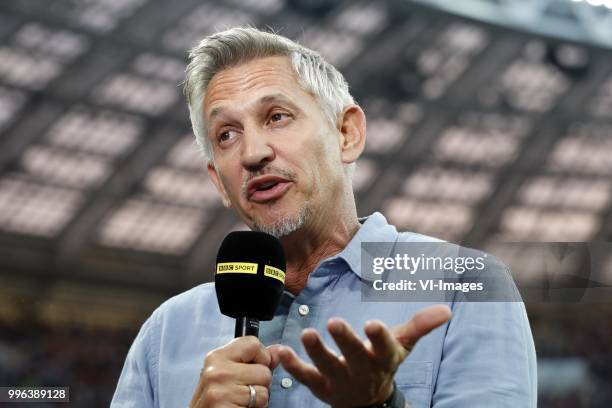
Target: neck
{"type": "Point", "coordinates": [323, 237]}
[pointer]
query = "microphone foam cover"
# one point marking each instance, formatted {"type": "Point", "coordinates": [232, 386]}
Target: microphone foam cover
{"type": "Point", "coordinates": [250, 275]}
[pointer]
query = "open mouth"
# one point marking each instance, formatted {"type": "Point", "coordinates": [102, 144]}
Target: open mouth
{"type": "Point", "coordinates": [267, 188]}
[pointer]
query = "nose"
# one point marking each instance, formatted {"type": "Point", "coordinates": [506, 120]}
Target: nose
{"type": "Point", "coordinates": [256, 150]}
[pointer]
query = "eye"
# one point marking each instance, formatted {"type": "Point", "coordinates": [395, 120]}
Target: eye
{"type": "Point", "coordinates": [278, 116]}
{"type": "Point", "coordinates": [226, 135]}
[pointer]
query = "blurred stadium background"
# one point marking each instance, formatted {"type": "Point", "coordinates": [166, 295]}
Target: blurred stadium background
{"type": "Point", "coordinates": [488, 120]}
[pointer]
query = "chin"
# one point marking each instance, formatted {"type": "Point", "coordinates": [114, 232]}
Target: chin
{"type": "Point", "coordinates": [283, 223]}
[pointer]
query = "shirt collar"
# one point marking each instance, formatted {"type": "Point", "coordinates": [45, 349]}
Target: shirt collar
{"type": "Point", "coordinates": [374, 228]}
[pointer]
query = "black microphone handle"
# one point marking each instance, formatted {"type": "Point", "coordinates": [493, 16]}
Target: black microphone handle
{"type": "Point", "coordinates": [246, 326]}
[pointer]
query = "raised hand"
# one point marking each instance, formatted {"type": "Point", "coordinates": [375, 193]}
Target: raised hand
{"type": "Point", "coordinates": [363, 374]}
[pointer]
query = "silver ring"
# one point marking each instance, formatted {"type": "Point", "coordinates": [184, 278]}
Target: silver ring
{"type": "Point", "coordinates": [253, 397]}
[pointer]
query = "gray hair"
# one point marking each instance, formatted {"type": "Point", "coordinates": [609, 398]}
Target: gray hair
{"type": "Point", "coordinates": [243, 44]}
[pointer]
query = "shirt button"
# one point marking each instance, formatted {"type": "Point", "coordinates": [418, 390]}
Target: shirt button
{"type": "Point", "coordinates": [303, 310]}
{"type": "Point", "coordinates": [286, 382]}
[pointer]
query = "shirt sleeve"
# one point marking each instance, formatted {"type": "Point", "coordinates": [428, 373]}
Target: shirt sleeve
{"type": "Point", "coordinates": [488, 357]}
{"type": "Point", "coordinates": [135, 386]}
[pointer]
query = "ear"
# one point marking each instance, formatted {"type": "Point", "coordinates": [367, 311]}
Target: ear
{"type": "Point", "coordinates": [352, 129]}
{"type": "Point", "coordinates": [214, 176]}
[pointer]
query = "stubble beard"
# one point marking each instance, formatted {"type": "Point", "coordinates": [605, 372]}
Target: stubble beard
{"type": "Point", "coordinates": [284, 224]}
{"type": "Point", "coordinates": [287, 223]}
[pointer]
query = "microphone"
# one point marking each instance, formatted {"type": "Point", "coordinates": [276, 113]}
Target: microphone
{"type": "Point", "coordinates": [249, 279]}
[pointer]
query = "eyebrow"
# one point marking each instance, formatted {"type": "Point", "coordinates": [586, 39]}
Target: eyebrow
{"type": "Point", "coordinates": [277, 97]}
{"type": "Point", "coordinates": [215, 112]}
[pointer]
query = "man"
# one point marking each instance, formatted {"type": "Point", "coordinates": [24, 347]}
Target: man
{"type": "Point", "coordinates": [281, 134]}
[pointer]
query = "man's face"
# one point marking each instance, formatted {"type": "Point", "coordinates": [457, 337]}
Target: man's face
{"type": "Point", "coordinates": [277, 157]}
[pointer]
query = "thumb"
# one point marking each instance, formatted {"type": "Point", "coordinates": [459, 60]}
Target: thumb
{"type": "Point", "coordinates": [422, 322]}
{"type": "Point", "coordinates": [274, 353]}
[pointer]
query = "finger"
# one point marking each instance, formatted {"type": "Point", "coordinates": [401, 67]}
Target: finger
{"type": "Point", "coordinates": [252, 374]}
{"type": "Point", "coordinates": [219, 395]}
{"type": "Point", "coordinates": [304, 373]}
{"type": "Point", "coordinates": [233, 395]}
{"type": "Point", "coordinates": [323, 358]}
{"type": "Point", "coordinates": [236, 373]}
{"type": "Point", "coordinates": [248, 349]}
{"type": "Point", "coordinates": [383, 346]}
{"type": "Point", "coordinates": [422, 322]}
{"type": "Point", "coordinates": [351, 346]}
{"type": "Point", "coordinates": [274, 357]}
{"type": "Point", "coordinates": [261, 396]}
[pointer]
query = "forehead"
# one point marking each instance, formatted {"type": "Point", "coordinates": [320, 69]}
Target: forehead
{"type": "Point", "coordinates": [256, 77]}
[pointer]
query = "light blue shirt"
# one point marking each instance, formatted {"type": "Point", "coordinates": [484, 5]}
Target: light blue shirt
{"type": "Point", "coordinates": [483, 357]}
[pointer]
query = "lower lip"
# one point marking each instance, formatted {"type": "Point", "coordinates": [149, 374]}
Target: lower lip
{"type": "Point", "coordinates": [274, 193]}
